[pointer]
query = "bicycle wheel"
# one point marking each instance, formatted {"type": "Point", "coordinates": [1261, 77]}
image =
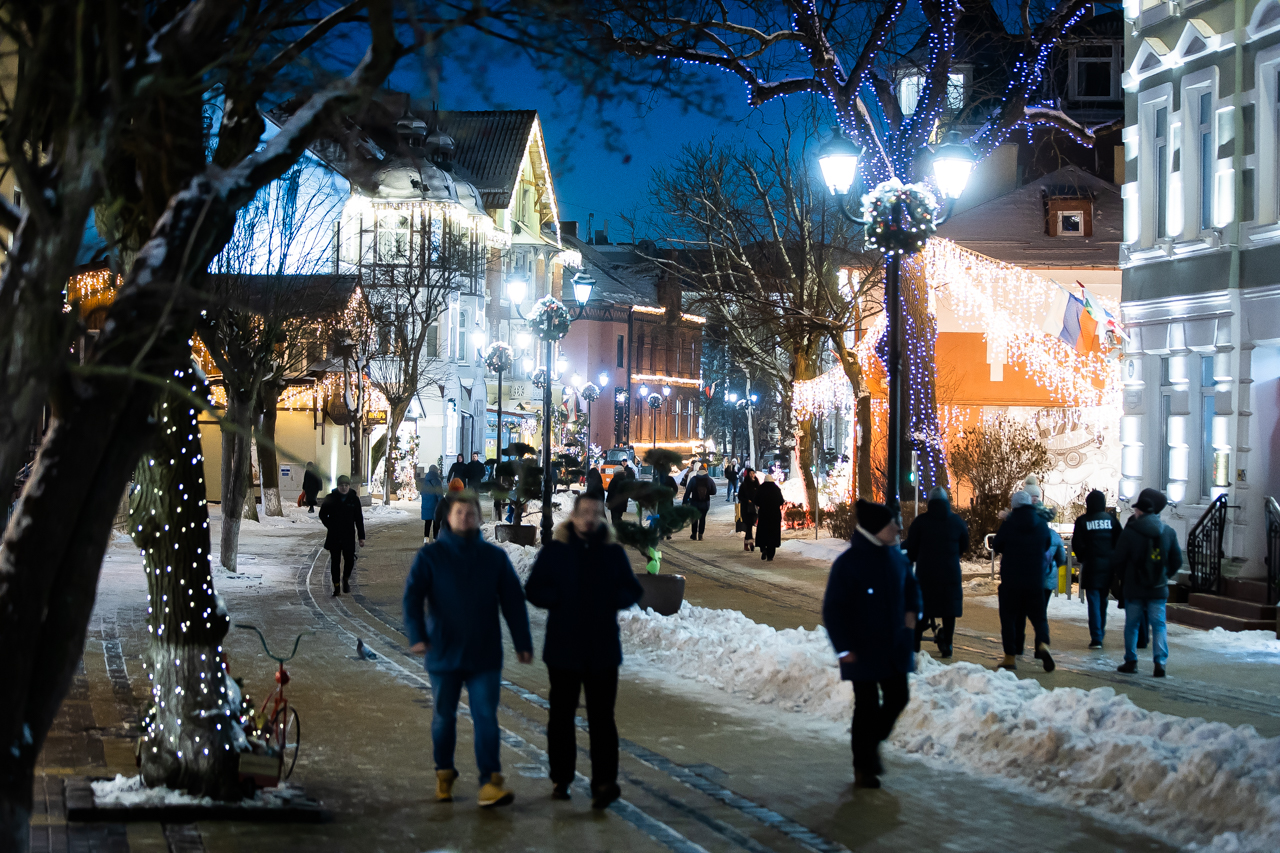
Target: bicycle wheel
{"type": "Point", "coordinates": [288, 731]}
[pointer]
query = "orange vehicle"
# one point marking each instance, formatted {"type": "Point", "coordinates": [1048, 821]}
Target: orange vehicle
{"type": "Point", "coordinates": [614, 461]}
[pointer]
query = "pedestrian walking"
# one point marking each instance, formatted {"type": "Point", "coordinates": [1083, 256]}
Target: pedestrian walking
{"type": "Point", "coordinates": [698, 495]}
{"type": "Point", "coordinates": [617, 496]}
{"type": "Point", "coordinates": [311, 486]}
{"type": "Point", "coordinates": [731, 480]}
{"type": "Point", "coordinates": [343, 518]}
{"type": "Point", "coordinates": [464, 582]}
{"type": "Point", "coordinates": [1022, 542]}
{"type": "Point", "coordinates": [870, 610]}
{"type": "Point", "coordinates": [582, 578]}
{"type": "Point", "coordinates": [432, 492]}
{"type": "Point", "coordinates": [935, 541]}
{"type": "Point", "coordinates": [458, 470]}
{"type": "Point", "coordinates": [595, 482]}
{"type": "Point", "coordinates": [768, 501]}
{"type": "Point", "coordinates": [441, 520]}
{"type": "Point", "coordinates": [475, 473]}
{"type": "Point", "coordinates": [1148, 555]}
{"type": "Point", "coordinates": [747, 507]}
{"type": "Point", "coordinates": [1093, 539]}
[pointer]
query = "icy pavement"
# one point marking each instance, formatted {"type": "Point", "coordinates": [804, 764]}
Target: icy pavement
{"type": "Point", "coordinates": [1191, 781]}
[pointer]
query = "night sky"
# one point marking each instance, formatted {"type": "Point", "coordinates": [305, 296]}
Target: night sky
{"type": "Point", "coordinates": [589, 176]}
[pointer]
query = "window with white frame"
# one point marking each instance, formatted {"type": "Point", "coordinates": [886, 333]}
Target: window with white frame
{"type": "Point", "coordinates": [1095, 72]}
{"type": "Point", "coordinates": [1160, 140]}
{"type": "Point", "coordinates": [1155, 153]}
{"type": "Point", "coordinates": [912, 87]}
{"type": "Point", "coordinates": [1207, 152]}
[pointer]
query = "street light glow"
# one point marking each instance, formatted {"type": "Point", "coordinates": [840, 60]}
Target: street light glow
{"type": "Point", "coordinates": [952, 163]}
{"type": "Point", "coordinates": [644, 390]}
{"type": "Point", "coordinates": [666, 390]}
{"type": "Point", "coordinates": [562, 363]}
{"type": "Point", "coordinates": [517, 287]}
{"type": "Point", "coordinates": [582, 285]}
{"type": "Point", "coordinates": [523, 339]}
{"type": "Point", "coordinates": [838, 159]}
{"type": "Point", "coordinates": [604, 378]}
{"type": "Point", "coordinates": [733, 397]}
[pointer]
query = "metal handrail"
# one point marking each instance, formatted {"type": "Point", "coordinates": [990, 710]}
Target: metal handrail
{"type": "Point", "coordinates": [1204, 547]}
{"type": "Point", "coordinates": [1273, 550]}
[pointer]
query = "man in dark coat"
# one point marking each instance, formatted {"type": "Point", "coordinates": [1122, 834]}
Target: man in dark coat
{"type": "Point", "coordinates": [731, 480]}
{"type": "Point", "coordinates": [475, 473]}
{"type": "Point", "coordinates": [768, 503]}
{"type": "Point", "coordinates": [344, 520]}
{"type": "Point", "coordinates": [617, 499]}
{"type": "Point", "coordinates": [747, 507]}
{"type": "Point", "coordinates": [464, 582]}
{"type": "Point", "coordinates": [311, 486]}
{"type": "Point", "coordinates": [698, 495]}
{"type": "Point", "coordinates": [458, 470]}
{"type": "Point", "coordinates": [870, 611]}
{"type": "Point", "coordinates": [1092, 541]}
{"type": "Point", "coordinates": [1148, 556]}
{"type": "Point", "coordinates": [583, 578]}
{"type": "Point", "coordinates": [1022, 543]}
{"type": "Point", "coordinates": [935, 542]}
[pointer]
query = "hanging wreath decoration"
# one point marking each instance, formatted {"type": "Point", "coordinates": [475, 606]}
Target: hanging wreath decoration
{"type": "Point", "coordinates": [590, 392]}
{"type": "Point", "coordinates": [655, 401]}
{"type": "Point", "coordinates": [539, 378]}
{"type": "Point", "coordinates": [498, 357]}
{"type": "Point", "coordinates": [550, 319]}
{"type": "Point", "coordinates": [914, 206]}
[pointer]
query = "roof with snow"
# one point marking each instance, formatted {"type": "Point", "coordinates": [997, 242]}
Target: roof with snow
{"type": "Point", "coordinates": [622, 276]}
{"type": "Point", "coordinates": [1014, 227]}
{"type": "Point", "coordinates": [491, 146]}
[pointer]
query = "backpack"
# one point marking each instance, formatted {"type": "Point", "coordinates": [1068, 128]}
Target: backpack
{"type": "Point", "coordinates": [1154, 563]}
{"type": "Point", "coordinates": [700, 492]}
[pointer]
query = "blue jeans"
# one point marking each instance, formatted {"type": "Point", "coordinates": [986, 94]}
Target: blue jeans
{"type": "Point", "coordinates": [731, 489]}
{"type": "Point", "coordinates": [1153, 609]}
{"type": "Point", "coordinates": [482, 696]}
{"type": "Point", "coordinates": [1097, 601]}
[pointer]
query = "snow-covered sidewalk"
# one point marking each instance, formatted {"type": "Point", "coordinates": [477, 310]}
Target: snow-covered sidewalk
{"type": "Point", "coordinates": [1191, 781]}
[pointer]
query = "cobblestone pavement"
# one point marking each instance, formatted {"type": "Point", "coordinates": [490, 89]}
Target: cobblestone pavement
{"type": "Point", "coordinates": [699, 772]}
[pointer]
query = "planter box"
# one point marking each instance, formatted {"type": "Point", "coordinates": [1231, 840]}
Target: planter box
{"type": "Point", "coordinates": [520, 534]}
{"type": "Point", "coordinates": [663, 594]}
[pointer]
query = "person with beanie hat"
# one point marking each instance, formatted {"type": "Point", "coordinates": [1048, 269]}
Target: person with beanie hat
{"type": "Point", "coordinates": [935, 542]}
{"type": "Point", "coordinates": [1032, 487]}
{"type": "Point", "coordinates": [870, 611]}
{"type": "Point", "coordinates": [343, 518]}
{"type": "Point", "coordinates": [1093, 540]}
{"type": "Point", "coordinates": [1023, 542]}
{"type": "Point", "coordinates": [1147, 556]}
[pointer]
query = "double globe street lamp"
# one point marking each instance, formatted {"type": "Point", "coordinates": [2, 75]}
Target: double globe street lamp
{"type": "Point", "coordinates": [898, 221]}
{"type": "Point", "coordinates": [550, 321]}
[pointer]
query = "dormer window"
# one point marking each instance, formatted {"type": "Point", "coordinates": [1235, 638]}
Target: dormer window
{"type": "Point", "coordinates": [1070, 217]}
{"type": "Point", "coordinates": [1095, 72]}
{"type": "Point", "coordinates": [1071, 223]}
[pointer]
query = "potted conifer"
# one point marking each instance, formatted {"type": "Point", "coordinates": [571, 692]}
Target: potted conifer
{"type": "Point", "coordinates": [662, 593]}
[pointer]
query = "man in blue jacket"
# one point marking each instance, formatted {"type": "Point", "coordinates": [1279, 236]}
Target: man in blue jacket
{"type": "Point", "coordinates": [870, 611]}
{"type": "Point", "coordinates": [583, 578]}
{"type": "Point", "coordinates": [461, 578]}
{"type": "Point", "coordinates": [1023, 543]}
{"type": "Point", "coordinates": [1147, 556]}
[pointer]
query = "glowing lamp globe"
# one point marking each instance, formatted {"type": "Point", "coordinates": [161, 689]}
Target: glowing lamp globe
{"type": "Point", "coordinates": [952, 163]}
{"type": "Point", "coordinates": [838, 159]}
{"type": "Point", "coordinates": [644, 390]}
{"type": "Point", "coordinates": [604, 379]}
{"type": "Point", "coordinates": [516, 289]}
{"type": "Point", "coordinates": [582, 285]}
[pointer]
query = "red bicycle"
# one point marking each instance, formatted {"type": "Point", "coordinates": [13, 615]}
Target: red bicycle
{"type": "Point", "coordinates": [276, 735]}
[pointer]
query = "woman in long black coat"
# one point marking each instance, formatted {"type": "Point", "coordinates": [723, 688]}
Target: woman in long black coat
{"type": "Point", "coordinates": [747, 508]}
{"type": "Point", "coordinates": [935, 542]}
{"type": "Point", "coordinates": [769, 503]}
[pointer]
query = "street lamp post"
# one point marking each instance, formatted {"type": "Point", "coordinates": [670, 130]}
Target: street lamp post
{"type": "Point", "coordinates": [952, 163]}
{"type": "Point", "coordinates": [655, 403]}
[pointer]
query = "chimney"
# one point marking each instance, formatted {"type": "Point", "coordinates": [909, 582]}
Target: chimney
{"type": "Point", "coordinates": [602, 236]}
{"type": "Point", "coordinates": [591, 223]}
{"type": "Point", "coordinates": [569, 228]}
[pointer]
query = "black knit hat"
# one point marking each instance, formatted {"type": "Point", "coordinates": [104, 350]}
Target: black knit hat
{"type": "Point", "coordinates": [1151, 501]}
{"type": "Point", "coordinates": [872, 517]}
{"type": "Point", "coordinates": [1095, 501]}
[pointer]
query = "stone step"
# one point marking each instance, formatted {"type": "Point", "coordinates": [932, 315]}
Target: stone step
{"type": "Point", "coordinates": [1185, 614]}
{"type": "Point", "coordinates": [1232, 606]}
{"type": "Point", "coordinates": [1245, 590]}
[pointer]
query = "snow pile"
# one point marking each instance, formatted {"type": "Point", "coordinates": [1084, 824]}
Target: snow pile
{"type": "Point", "coordinates": [793, 668]}
{"type": "Point", "coordinates": [1187, 778]}
{"type": "Point", "coordinates": [132, 792]}
{"type": "Point", "coordinates": [825, 550]}
{"type": "Point", "coordinates": [1232, 642]}
{"type": "Point", "coordinates": [521, 556]}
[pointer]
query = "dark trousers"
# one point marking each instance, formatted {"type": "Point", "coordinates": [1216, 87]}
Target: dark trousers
{"type": "Point", "coordinates": [873, 719]}
{"type": "Point", "coordinates": [601, 688]}
{"type": "Point", "coordinates": [700, 523]}
{"type": "Point", "coordinates": [615, 514]}
{"type": "Point", "coordinates": [1022, 626]}
{"type": "Point", "coordinates": [336, 570]}
{"type": "Point", "coordinates": [942, 636]}
{"type": "Point", "coordinates": [1016, 607]}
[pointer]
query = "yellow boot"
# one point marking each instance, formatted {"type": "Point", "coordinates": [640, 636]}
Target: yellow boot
{"type": "Point", "coordinates": [444, 785]}
{"type": "Point", "coordinates": [494, 793]}
{"type": "Point", "coordinates": [1008, 663]}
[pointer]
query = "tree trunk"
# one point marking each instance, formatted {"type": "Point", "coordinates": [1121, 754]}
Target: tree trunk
{"type": "Point", "coordinates": [269, 462]}
{"type": "Point", "coordinates": [394, 418]}
{"type": "Point", "coordinates": [806, 368]}
{"type": "Point", "coordinates": [920, 334]}
{"type": "Point", "coordinates": [235, 475]}
{"type": "Point", "coordinates": [751, 425]}
{"type": "Point", "coordinates": [866, 487]}
{"type": "Point", "coordinates": [250, 499]}
{"type": "Point", "coordinates": [191, 741]}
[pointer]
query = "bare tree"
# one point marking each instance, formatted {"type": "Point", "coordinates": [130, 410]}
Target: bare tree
{"type": "Point", "coordinates": [412, 260]}
{"type": "Point", "coordinates": [761, 242]}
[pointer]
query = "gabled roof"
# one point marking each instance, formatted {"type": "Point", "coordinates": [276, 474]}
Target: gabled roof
{"type": "Point", "coordinates": [1011, 227]}
{"type": "Point", "coordinates": [491, 146]}
{"type": "Point", "coordinates": [622, 276]}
